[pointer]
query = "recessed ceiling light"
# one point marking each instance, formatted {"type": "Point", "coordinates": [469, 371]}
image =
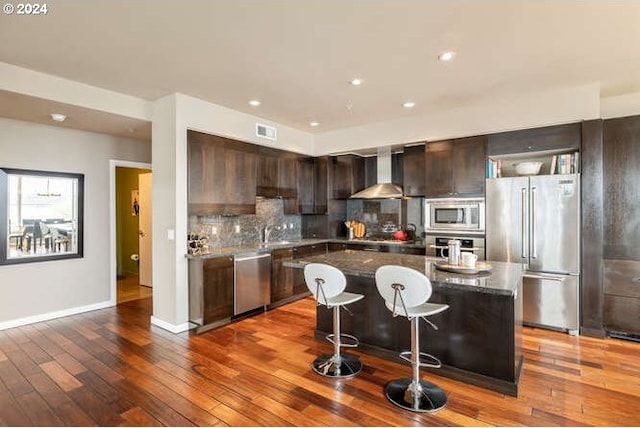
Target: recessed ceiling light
{"type": "Point", "coordinates": [356, 82]}
{"type": "Point", "coordinates": [314, 123]}
{"type": "Point", "coordinates": [447, 56]}
{"type": "Point", "coordinates": [58, 117]}
{"type": "Point", "coordinates": [254, 103]}
{"type": "Point", "coordinates": [409, 104]}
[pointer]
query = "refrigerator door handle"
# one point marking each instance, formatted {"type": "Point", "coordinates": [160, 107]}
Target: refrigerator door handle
{"type": "Point", "coordinates": [524, 222]}
{"type": "Point", "coordinates": [534, 252]}
{"type": "Point", "coordinates": [547, 277]}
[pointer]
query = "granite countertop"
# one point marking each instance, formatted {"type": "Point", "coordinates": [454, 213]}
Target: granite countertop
{"type": "Point", "coordinates": [275, 245]}
{"type": "Point", "coordinates": [503, 279]}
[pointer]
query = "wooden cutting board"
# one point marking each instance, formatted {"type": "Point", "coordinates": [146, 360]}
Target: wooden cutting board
{"type": "Point", "coordinates": [359, 229]}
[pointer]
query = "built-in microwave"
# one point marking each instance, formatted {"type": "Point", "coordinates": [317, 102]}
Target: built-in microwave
{"type": "Point", "coordinates": [463, 215]}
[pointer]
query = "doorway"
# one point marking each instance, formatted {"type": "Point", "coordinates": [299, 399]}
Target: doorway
{"type": "Point", "coordinates": [131, 262]}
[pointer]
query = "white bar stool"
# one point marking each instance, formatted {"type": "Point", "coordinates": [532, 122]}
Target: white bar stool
{"type": "Point", "coordinates": [405, 292]}
{"type": "Point", "coordinates": [327, 285]}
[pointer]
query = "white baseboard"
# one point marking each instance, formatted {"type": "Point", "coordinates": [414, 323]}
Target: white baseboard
{"type": "Point", "coordinates": [170, 327]}
{"type": "Point", "coordinates": [53, 315]}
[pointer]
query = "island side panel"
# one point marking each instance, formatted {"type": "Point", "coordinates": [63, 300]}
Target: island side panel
{"type": "Point", "coordinates": [476, 338]}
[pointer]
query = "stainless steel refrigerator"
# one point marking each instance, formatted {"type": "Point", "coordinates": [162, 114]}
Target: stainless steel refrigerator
{"type": "Point", "coordinates": [536, 221]}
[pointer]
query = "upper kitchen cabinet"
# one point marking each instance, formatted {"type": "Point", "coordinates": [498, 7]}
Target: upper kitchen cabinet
{"type": "Point", "coordinates": [221, 175]}
{"type": "Point", "coordinates": [621, 182]}
{"type": "Point", "coordinates": [549, 138]}
{"type": "Point", "coordinates": [413, 183]}
{"type": "Point", "coordinates": [346, 175]}
{"type": "Point", "coordinates": [312, 185]}
{"type": "Point", "coordinates": [455, 168]}
{"type": "Point", "coordinates": [277, 173]}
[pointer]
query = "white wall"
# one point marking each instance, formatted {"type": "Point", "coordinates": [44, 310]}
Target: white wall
{"type": "Point", "coordinates": [621, 105]}
{"type": "Point", "coordinates": [34, 291]}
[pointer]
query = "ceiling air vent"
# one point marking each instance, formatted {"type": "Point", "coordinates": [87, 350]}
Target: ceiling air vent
{"type": "Point", "coordinates": [265, 131]}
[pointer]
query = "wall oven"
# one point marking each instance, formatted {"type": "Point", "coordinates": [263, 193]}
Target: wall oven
{"type": "Point", "coordinates": [438, 245]}
{"type": "Point", "coordinates": [459, 215]}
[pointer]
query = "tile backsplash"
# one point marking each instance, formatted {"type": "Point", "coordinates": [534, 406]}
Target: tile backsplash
{"type": "Point", "coordinates": [228, 231]}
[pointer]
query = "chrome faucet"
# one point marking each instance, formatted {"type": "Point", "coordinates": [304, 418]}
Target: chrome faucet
{"type": "Point", "coordinates": [266, 231]}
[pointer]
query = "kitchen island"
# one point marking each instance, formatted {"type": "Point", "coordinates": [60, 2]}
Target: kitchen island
{"type": "Point", "coordinates": [479, 338]}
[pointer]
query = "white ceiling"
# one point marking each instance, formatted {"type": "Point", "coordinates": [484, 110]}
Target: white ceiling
{"type": "Point", "coordinates": [297, 56]}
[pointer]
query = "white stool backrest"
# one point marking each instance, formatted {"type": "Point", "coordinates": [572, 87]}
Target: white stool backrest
{"type": "Point", "coordinates": [324, 281]}
{"type": "Point", "coordinates": [402, 287]}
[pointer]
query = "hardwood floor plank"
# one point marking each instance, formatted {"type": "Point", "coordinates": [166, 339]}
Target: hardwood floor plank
{"type": "Point", "coordinates": [137, 417]}
{"type": "Point", "coordinates": [69, 363]}
{"type": "Point", "coordinates": [59, 375]}
{"type": "Point", "coordinates": [40, 414]}
{"type": "Point", "coordinates": [105, 414]}
{"type": "Point", "coordinates": [60, 403]}
{"type": "Point", "coordinates": [155, 407]}
{"type": "Point", "coordinates": [291, 416]}
{"type": "Point", "coordinates": [13, 380]}
{"type": "Point", "coordinates": [181, 404]}
{"type": "Point", "coordinates": [11, 413]}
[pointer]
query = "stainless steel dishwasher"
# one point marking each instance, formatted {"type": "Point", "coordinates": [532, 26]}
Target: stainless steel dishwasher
{"type": "Point", "coordinates": [252, 287]}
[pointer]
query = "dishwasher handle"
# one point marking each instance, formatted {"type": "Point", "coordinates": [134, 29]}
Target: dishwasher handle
{"type": "Point", "coordinates": [252, 257]}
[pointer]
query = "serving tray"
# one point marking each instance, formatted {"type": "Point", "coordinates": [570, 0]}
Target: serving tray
{"type": "Point", "coordinates": [479, 267]}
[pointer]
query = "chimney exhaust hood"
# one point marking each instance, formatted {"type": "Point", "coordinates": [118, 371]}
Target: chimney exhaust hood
{"type": "Point", "coordinates": [384, 189]}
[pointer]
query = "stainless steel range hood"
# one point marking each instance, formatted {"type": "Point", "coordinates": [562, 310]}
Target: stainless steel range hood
{"type": "Point", "coordinates": [384, 189]}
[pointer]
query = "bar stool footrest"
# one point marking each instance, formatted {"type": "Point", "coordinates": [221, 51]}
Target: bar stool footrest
{"type": "Point", "coordinates": [352, 341]}
{"type": "Point", "coordinates": [425, 360]}
{"type": "Point", "coordinates": [337, 366]}
{"type": "Point", "coordinates": [418, 397]}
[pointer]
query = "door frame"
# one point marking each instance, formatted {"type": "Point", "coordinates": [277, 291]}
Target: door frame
{"type": "Point", "coordinates": [113, 257]}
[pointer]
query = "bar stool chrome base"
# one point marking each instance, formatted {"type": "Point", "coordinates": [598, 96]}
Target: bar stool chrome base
{"type": "Point", "coordinates": [340, 366]}
{"type": "Point", "coordinates": [422, 397]}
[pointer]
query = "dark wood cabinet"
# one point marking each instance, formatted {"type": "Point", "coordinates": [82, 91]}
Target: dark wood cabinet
{"type": "Point", "coordinates": [288, 175]}
{"type": "Point", "coordinates": [217, 290]}
{"type": "Point", "coordinates": [336, 246]}
{"type": "Point", "coordinates": [267, 177]}
{"type": "Point", "coordinates": [287, 283]}
{"type": "Point", "coordinates": [277, 173]}
{"type": "Point", "coordinates": [621, 250]}
{"type": "Point", "coordinates": [622, 297]}
{"type": "Point", "coordinates": [556, 137]}
{"type": "Point", "coordinates": [621, 185]}
{"type": "Point", "coordinates": [455, 167]}
{"type": "Point", "coordinates": [375, 247]}
{"type": "Point", "coordinates": [413, 182]}
{"type": "Point", "coordinates": [299, 285]}
{"type": "Point", "coordinates": [592, 220]}
{"type": "Point", "coordinates": [281, 276]}
{"type": "Point", "coordinates": [346, 175]}
{"type": "Point", "coordinates": [312, 185]}
{"type": "Point", "coordinates": [221, 175]}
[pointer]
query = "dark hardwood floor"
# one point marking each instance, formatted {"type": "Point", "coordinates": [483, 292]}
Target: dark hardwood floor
{"type": "Point", "coordinates": [109, 367]}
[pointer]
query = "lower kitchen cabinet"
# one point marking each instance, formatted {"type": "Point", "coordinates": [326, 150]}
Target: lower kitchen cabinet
{"type": "Point", "coordinates": [380, 247]}
{"type": "Point", "coordinates": [281, 276]}
{"type": "Point", "coordinates": [210, 291]}
{"type": "Point", "coordinates": [299, 284]}
{"type": "Point", "coordinates": [287, 284]}
{"type": "Point", "coordinates": [622, 297]}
